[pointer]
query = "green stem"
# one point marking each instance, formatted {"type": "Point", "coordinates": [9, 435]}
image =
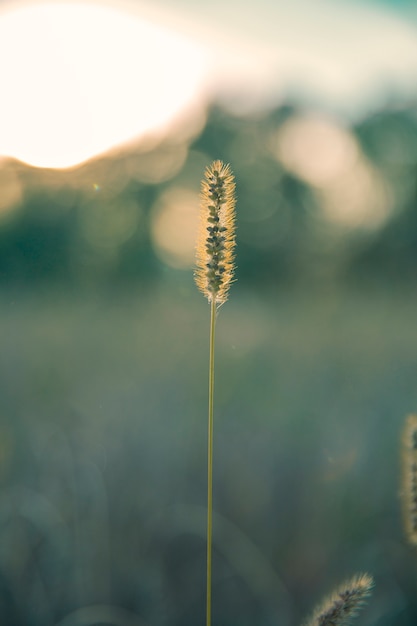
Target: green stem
{"type": "Point", "coordinates": [210, 460]}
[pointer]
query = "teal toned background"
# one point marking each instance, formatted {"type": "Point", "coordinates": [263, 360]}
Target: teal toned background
{"type": "Point", "coordinates": [104, 366]}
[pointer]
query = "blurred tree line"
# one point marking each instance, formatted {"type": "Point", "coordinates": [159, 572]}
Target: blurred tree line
{"type": "Point", "coordinates": [283, 234]}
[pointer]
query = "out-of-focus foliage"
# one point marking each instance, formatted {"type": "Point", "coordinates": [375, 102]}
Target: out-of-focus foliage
{"type": "Point", "coordinates": [103, 368]}
{"type": "Point", "coordinates": [317, 200]}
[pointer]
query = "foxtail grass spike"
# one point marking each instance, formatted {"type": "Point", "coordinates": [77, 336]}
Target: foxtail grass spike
{"type": "Point", "coordinates": [409, 478]}
{"type": "Point", "coordinates": [339, 608]}
{"type": "Point", "coordinates": [213, 275]}
{"type": "Point", "coordinates": [216, 241]}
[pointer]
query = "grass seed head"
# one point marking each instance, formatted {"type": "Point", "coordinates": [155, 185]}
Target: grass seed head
{"type": "Point", "coordinates": [339, 608]}
{"type": "Point", "coordinates": [216, 240]}
{"type": "Point", "coordinates": [409, 478]}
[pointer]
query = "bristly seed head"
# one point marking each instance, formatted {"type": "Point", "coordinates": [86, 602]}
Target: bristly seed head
{"type": "Point", "coordinates": [409, 478]}
{"type": "Point", "coordinates": [344, 603]}
{"type": "Point", "coordinates": [216, 241]}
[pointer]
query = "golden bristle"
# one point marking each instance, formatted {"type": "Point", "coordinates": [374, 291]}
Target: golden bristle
{"type": "Point", "coordinates": [409, 478]}
{"type": "Point", "coordinates": [216, 241]}
{"type": "Point", "coordinates": [344, 603]}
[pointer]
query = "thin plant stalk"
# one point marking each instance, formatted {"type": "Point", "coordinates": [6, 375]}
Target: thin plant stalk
{"type": "Point", "coordinates": [210, 460]}
{"type": "Point", "coordinates": [213, 276]}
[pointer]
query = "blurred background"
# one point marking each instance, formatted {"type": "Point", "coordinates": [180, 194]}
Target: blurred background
{"type": "Point", "coordinates": [109, 114]}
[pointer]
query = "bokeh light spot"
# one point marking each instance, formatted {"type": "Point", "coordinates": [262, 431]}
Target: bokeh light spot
{"type": "Point", "coordinates": [359, 198]}
{"type": "Point", "coordinates": [159, 165]}
{"type": "Point", "coordinates": [327, 156]}
{"type": "Point", "coordinates": [174, 227]}
{"type": "Point", "coordinates": [10, 190]}
{"type": "Point", "coordinates": [315, 149]}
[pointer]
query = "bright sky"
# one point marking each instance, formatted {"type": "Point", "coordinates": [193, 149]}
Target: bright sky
{"type": "Point", "coordinates": [79, 78]}
{"type": "Point", "coordinates": [342, 54]}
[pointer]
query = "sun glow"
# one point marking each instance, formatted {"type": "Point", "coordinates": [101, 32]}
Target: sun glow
{"type": "Point", "coordinates": [79, 79]}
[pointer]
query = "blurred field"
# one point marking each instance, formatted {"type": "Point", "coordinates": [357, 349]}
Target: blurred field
{"type": "Point", "coordinates": [104, 336]}
{"type": "Point", "coordinates": [103, 435]}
